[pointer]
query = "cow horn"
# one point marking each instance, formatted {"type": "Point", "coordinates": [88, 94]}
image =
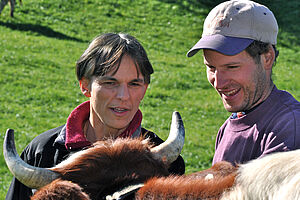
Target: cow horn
{"type": "Point", "coordinates": [171, 148]}
{"type": "Point", "coordinates": [32, 177]}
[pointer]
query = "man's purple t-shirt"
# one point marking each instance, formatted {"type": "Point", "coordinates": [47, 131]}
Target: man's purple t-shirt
{"type": "Point", "coordinates": [271, 127]}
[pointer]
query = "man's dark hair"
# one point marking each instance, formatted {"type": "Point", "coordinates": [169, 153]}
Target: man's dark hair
{"type": "Point", "coordinates": [257, 48]}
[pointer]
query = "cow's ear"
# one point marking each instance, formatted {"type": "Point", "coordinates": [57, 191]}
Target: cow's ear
{"type": "Point", "coordinates": [85, 87]}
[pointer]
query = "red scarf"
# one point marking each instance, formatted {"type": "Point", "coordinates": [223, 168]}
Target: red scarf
{"type": "Point", "coordinates": [74, 132]}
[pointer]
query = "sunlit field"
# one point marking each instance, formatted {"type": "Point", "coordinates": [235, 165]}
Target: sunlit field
{"type": "Point", "coordinates": [39, 48]}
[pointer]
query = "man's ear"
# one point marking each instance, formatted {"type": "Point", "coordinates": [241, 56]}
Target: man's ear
{"type": "Point", "coordinates": [84, 87]}
{"type": "Point", "coordinates": [269, 58]}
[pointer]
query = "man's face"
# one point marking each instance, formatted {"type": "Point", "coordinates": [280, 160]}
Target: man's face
{"type": "Point", "coordinates": [115, 98]}
{"type": "Point", "coordinates": [241, 83]}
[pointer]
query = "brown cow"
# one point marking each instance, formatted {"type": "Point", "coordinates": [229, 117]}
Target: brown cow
{"type": "Point", "coordinates": [273, 177]}
{"type": "Point", "coordinates": [208, 184]}
{"type": "Point", "coordinates": [105, 167]}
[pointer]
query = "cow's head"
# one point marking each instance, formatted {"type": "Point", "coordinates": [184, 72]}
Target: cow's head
{"type": "Point", "coordinates": [104, 167]}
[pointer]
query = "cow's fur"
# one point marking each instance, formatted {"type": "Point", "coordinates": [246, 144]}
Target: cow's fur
{"type": "Point", "coordinates": [207, 184]}
{"type": "Point", "coordinates": [111, 165]}
{"type": "Point", "coordinates": [276, 176]}
{"type": "Point", "coordinates": [185, 187]}
{"type": "Point", "coordinates": [61, 190]}
{"type": "Point", "coordinates": [12, 6]}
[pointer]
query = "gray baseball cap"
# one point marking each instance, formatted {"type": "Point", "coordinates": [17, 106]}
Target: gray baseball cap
{"type": "Point", "coordinates": [232, 26]}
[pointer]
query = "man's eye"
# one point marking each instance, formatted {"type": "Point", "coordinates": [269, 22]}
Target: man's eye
{"type": "Point", "coordinates": [211, 68]}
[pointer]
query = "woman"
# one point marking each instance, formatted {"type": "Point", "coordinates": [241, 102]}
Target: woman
{"type": "Point", "coordinates": [114, 73]}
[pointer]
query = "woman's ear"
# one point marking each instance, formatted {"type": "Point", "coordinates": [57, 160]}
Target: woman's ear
{"type": "Point", "coordinates": [84, 87]}
{"type": "Point", "coordinates": [269, 58]}
{"type": "Point", "coordinates": [145, 89]}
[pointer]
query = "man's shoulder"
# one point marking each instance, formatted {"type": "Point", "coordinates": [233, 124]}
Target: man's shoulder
{"type": "Point", "coordinates": [287, 99]}
{"type": "Point", "coordinates": [280, 107]}
{"type": "Point", "coordinates": [284, 120]}
{"type": "Point", "coordinates": [289, 107]}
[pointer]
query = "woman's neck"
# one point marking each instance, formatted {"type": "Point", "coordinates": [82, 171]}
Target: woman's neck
{"type": "Point", "coordinates": [96, 131]}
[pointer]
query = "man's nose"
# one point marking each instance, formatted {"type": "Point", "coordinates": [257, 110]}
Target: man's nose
{"type": "Point", "coordinates": [220, 79]}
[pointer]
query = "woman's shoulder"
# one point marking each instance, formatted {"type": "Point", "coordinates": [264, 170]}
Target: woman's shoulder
{"type": "Point", "coordinates": [42, 145]}
{"type": "Point", "coordinates": [152, 136]}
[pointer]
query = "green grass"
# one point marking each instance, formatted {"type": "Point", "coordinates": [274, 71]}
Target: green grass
{"type": "Point", "coordinates": [39, 48]}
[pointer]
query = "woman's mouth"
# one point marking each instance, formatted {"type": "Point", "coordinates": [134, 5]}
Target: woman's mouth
{"type": "Point", "coordinates": [119, 110]}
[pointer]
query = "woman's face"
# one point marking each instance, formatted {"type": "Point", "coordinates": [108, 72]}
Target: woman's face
{"type": "Point", "coordinates": [115, 97]}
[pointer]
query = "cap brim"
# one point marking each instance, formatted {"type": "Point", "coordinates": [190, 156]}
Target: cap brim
{"type": "Point", "coordinates": [224, 44]}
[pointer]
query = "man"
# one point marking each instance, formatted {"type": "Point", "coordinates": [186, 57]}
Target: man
{"type": "Point", "coordinates": [114, 73]}
{"type": "Point", "coordinates": [238, 43]}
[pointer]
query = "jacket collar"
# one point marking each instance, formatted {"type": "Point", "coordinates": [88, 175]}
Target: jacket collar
{"type": "Point", "coordinates": [72, 134]}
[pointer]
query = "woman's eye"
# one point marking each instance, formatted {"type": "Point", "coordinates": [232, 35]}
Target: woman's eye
{"type": "Point", "coordinates": [233, 67]}
{"type": "Point", "coordinates": [136, 84]}
{"type": "Point", "coordinates": [108, 83]}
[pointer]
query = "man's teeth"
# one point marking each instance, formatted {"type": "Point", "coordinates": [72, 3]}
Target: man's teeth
{"type": "Point", "coordinates": [230, 93]}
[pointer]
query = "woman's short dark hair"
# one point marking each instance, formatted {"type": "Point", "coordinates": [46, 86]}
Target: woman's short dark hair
{"type": "Point", "coordinates": [256, 48]}
{"type": "Point", "coordinates": [105, 53]}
